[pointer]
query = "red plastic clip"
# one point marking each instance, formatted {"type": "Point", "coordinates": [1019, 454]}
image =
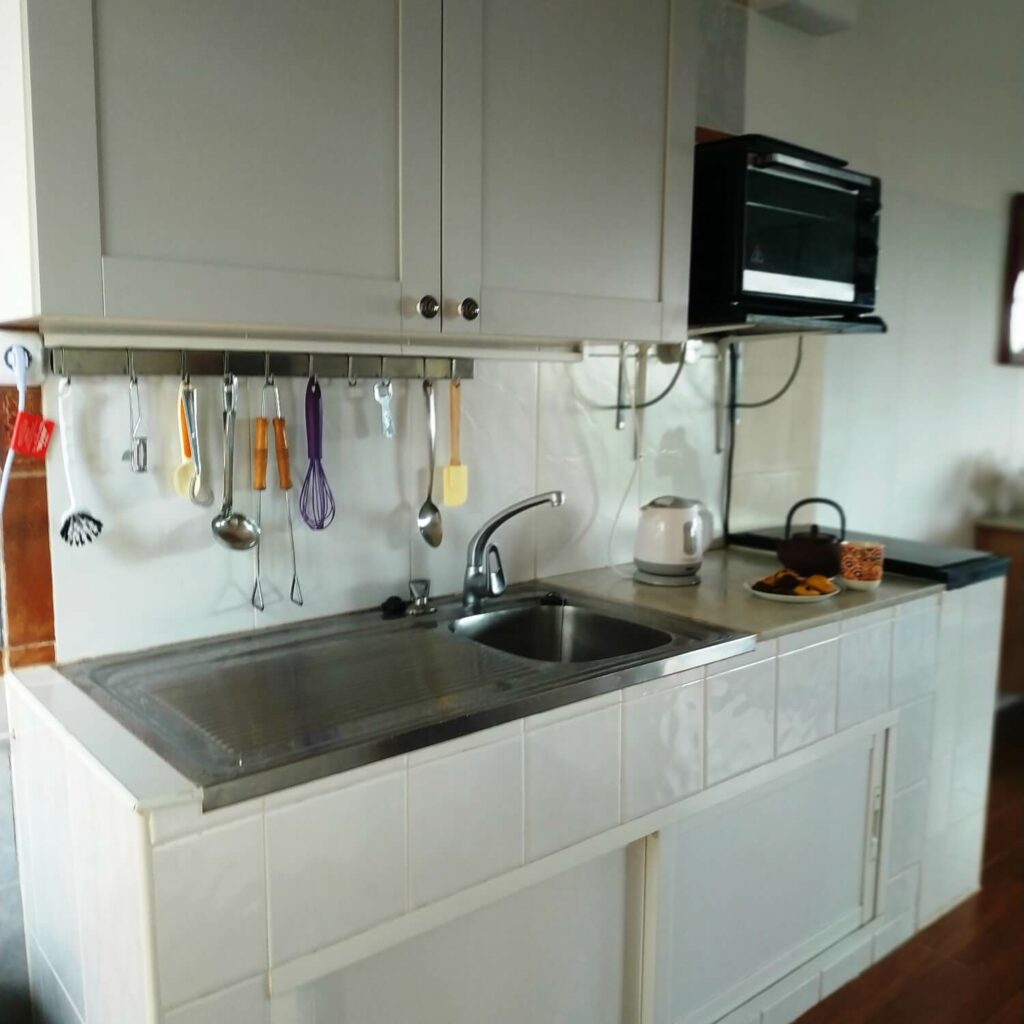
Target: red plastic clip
{"type": "Point", "coordinates": [32, 435]}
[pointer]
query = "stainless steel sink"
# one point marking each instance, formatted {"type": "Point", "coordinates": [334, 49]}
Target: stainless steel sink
{"type": "Point", "coordinates": [247, 715]}
{"type": "Point", "coordinates": [561, 633]}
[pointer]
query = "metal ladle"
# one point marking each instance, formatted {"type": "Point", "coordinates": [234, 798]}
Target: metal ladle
{"type": "Point", "coordinates": [234, 529]}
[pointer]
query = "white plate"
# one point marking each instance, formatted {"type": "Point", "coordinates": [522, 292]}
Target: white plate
{"type": "Point", "coordinates": [787, 598]}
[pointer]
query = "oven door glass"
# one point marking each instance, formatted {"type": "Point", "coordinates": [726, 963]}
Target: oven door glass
{"type": "Point", "coordinates": [800, 237]}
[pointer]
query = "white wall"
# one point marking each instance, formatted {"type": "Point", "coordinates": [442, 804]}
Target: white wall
{"type": "Point", "coordinates": [929, 95]}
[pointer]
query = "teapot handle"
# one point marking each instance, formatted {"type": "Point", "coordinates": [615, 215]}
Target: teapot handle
{"type": "Point", "coordinates": [817, 501]}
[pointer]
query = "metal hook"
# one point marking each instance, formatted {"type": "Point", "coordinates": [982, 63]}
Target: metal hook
{"type": "Point", "coordinates": [132, 376]}
{"type": "Point", "coordinates": [227, 368]}
{"type": "Point", "coordinates": [309, 369]}
{"type": "Point", "coordinates": [352, 382]}
{"type": "Point", "coordinates": [268, 377]}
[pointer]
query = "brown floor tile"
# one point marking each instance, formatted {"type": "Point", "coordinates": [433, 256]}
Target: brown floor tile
{"type": "Point", "coordinates": [26, 549]}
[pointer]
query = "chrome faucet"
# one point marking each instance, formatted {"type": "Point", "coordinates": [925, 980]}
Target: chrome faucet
{"type": "Point", "coordinates": [484, 574]}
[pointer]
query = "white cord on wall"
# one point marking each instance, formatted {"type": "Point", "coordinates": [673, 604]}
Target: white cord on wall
{"type": "Point", "coordinates": [17, 358]}
{"type": "Point", "coordinates": [638, 449]}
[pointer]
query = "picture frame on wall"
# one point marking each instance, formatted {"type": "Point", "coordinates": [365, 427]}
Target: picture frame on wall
{"type": "Point", "coordinates": [1011, 341]}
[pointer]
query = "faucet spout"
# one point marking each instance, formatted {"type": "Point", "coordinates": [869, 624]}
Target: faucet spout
{"type": "Point", "coordinates": [477, 583]}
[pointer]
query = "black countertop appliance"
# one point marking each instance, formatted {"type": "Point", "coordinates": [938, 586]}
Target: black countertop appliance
{"type": "Point", "coordinates": [955, 567]}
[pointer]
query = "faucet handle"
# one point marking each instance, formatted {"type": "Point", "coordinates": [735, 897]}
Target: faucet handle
{"type": "Point", "coordinates": [496, 583]}
{"type": "Point", "coordinates": [419, 591]}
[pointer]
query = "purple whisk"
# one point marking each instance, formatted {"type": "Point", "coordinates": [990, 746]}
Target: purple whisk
{"type": "Point", "coordinates": [316, 502]}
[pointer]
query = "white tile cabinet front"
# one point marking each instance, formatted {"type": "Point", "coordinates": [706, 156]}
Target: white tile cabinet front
{"type": "Point", "coordinates": [329, 166]}
{"type": "Point", "coordinates": [763, 768]}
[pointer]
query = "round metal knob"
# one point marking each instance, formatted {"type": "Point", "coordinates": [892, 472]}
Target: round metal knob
{"type": "Point", "coordinates": [469, 309]}
{"type": "Point", "coordinates": [428, 307]}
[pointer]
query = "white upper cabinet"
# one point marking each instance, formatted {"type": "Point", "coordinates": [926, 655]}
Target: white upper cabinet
{"type": "Point", "coordinates": [252, 163]}
{"type": "Point", "coordinates": [568, 148]}
{"type": "Point", "coordinates": [238, 161]}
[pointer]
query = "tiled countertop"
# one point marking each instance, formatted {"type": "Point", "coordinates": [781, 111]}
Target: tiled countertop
{"type": "Point", "coordinates": [721, 600]}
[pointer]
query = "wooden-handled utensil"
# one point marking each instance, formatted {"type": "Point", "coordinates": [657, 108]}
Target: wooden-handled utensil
{"type": "Point", "coordinates": [456, 475]}
{"type": "Point", "coordinates": [259, 485]}
{"type": "Point", "coordinates": [284, 479]}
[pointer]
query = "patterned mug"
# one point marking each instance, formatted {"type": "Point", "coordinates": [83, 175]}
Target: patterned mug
{"type": "Point", "coordinates": [861, 564]}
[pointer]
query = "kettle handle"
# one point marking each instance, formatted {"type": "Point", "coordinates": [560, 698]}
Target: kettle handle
{"type": "Point", "coordinates": [817, 501]}
{"type": "Point", "coordinates": [706, 534]}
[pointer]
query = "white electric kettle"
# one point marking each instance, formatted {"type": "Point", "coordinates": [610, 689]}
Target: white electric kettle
{"type": "Point", "coordinates": [671, 538]}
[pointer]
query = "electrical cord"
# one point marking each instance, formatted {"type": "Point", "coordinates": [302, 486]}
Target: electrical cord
{"type": "Point", "coordinates": [666, 391]}
{"type": "Point", "coordinates": [17, 357]}
{"type": "Point", "coordinates": [638, 448]}
{"type": "Point", "coordinates": [785, 387]}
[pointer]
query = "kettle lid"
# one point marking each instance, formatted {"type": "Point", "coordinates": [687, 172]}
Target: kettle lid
{"type": "Point", "coordinates": [671, 501]}
{"type": "Point", "coordinates": [814, 534]}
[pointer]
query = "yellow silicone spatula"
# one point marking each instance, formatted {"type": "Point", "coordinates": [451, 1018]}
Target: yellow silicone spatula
{"type": "Point", "coordinates": [456, 475]}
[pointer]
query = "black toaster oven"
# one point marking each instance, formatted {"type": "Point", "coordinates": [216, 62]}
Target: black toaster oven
{"type": "Point", "coordinates": [780, 230]}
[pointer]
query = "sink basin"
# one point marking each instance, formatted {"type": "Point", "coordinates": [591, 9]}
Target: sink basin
{"type": "Point", "coordinates": [561, 633]}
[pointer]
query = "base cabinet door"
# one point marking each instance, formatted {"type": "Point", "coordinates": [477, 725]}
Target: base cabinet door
{"type": "Point", "coordinates": [552, 954]}
{"type": "Point", "coordinates": [751, 889]}
{"type": "Point", "coordinates": [568, 151]}
{"type": "Point", "coordinates": [238, 162]}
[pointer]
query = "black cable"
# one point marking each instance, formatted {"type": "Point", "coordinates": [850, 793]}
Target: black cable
{"type": "Point", "coordinates": [652, 401]}
{"type": "Point", "coordinates": [730, 452]}
{"type": "Point", "coordinates": [785, 387]}
{"type": "Point", "coordinates": [732, 405]}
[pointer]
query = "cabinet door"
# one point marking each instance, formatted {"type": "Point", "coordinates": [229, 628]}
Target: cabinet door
{"type": "Point", "coordinates": [241, 161]}
{"type": "Point", "coordinates": [751, 889]}
{"type": "Point", "coordinates": [568, 150]}
{"type": "Point", "coordinates": [553, 954]}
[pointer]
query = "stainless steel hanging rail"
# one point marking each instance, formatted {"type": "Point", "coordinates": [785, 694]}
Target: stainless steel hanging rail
{"type": "Point", "coordinates": [102, 362]}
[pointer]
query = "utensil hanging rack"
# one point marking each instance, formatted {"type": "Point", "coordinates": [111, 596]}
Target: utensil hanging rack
{"type": "Point", "coordinates": [112, 362]}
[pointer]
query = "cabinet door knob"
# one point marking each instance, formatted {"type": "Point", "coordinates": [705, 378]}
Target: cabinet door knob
{"type": "Point", "coordinates": [428, 307]}
{"type": "Point", "coordinates": [469, 309]}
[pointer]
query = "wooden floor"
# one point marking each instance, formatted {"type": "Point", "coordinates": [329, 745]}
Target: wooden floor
{"type": "Point", "coordinates": [968, 967]}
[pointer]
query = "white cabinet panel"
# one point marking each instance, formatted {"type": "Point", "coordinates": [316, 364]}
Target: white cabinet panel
{"type": "Point", "coordinates": [553, 953]}
{"type": "Point", "coordinates": [239, 161]}
{"type": "Point", "coordinates": [757, 886]}
{"type": "Point", "coordinates": [558, 136]}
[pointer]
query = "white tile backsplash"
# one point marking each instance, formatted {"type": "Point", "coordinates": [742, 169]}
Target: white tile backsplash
{"type": "Point", "coordinates": [526, 427]}
{"type": "Point", "coordinates": [914, 653]}
{"type": "Point", "coordinates": [246, 1003]}
{"type": "Point", "coordinates": [865, 666]}
{"type": "Point", "coordinates": [336, 865]}
{"type": "Point", "coordinates": [572, 780]}
{"type": "Point", "coordinates": [465, 818]}
{"type": "Point", "coordinates": [209, 893]}
{"type": "Point", "coordinates": [740, 730]}
{"type": "Point", "coordinates": [662, 747]}
{"type": "Point", "coordinates": [914, 743]}
{"type": "Point", "coordinates": [807, 687]}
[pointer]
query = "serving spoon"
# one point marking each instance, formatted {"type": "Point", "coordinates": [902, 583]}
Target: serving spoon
{"type": "Point", "coordinates": [231, 528]}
